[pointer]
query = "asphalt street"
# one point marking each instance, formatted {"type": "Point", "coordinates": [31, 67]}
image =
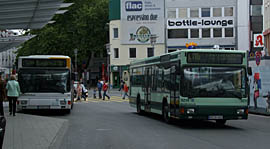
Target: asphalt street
{"type": "Point", "coordinates": [98, 124]}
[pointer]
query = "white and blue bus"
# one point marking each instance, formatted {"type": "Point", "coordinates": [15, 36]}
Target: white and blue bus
{"type": "Point", "coordinates": [45, 82]}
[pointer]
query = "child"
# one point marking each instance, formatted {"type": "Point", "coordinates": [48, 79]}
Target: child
{"type": "Point", "coordinates": [94, 93]}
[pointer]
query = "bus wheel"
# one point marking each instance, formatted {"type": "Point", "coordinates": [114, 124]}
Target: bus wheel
{"type": "Point", "coordinates": [221, 122]}
{"type": "Point", "coordinates": [165, 113]}
{"type": "Point", "coordinates": [139, 110]}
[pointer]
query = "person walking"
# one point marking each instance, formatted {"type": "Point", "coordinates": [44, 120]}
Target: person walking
{"type": "Point", "coordinates": [125, 90]}
{"type": "Point", "coordinates": [121, 85]}
{"type": "Point", "coordinates": [2, 95]}
{"type": "Point", "coordinates": [13, 92]}
{"type": "Point", "coordinates": [105, 88]}
{"type": "Point", "coordinates": [79, 91]}
{"type": "Point", "coordinates": [99, 86]}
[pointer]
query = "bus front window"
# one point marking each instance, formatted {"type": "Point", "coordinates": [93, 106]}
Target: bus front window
{"type": "Point", "coordinates": [214, 82]}
{"type": "Point", "coordinates": [44, 81]}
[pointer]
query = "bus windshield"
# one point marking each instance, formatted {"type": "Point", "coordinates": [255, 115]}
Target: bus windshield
{"type": "Point", "coordinates": [214, 82]}
{"type": "Point", "coordinates": [44, 81]}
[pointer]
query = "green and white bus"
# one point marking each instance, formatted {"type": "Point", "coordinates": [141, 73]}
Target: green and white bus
{"type": "Point", "coordinates": [192, 84]}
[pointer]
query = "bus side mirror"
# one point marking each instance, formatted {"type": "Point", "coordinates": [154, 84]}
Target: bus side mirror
{"type": "Point", "coordinates": [249, 71]}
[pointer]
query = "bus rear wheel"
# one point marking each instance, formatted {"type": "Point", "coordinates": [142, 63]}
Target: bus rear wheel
{"type": "Point", "coordinates": [165, 113]}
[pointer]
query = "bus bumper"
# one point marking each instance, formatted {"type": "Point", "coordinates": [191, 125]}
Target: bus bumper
{"type": "Point", "coordinates": [213, 113]}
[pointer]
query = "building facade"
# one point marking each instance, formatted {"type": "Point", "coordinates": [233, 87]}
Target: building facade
{"type": "Point", "coordinates": [208, 23]}
{"type": "Point", "coordinates": [7, 62]}
{"type": "Point", "coordinates": [267, 26]}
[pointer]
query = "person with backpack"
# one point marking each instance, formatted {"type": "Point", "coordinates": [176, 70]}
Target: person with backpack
{"type": "Point", "coordinates": [99, 86]}
{"type": "Point", "coordinates": [105, 89]}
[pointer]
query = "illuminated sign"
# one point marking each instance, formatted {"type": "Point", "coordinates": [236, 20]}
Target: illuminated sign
{"type": "Point", "coordinates": [44, 63]}
{"type": "Point", "coordinates": [215, 58]}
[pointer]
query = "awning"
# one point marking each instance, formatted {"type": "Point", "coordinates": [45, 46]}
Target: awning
{"type": "Point", "coordinates": [10, 42]}
{"type": "Point", "coordinates": [28, 14]}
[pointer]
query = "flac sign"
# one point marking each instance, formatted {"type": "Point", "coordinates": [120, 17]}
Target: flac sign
{"type": "Point", "coordinates": [199, 23]}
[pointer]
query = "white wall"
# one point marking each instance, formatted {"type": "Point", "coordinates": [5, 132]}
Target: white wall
{"type": "Point", "coordinates": [243, 27]}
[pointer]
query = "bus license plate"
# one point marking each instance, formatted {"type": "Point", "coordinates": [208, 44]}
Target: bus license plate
{"type": "Point", "coordinates": [215, 117]}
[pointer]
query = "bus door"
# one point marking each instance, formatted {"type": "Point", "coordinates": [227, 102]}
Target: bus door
{"type": "Point", "coordinates": [147, 91]}
{"type": "Point", "coordinates": [174, 89]}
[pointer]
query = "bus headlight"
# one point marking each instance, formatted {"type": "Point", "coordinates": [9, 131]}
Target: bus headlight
{"type": "Point", "coordinates": [240, 111]}
{"type": "Point", "coordinates": [190, 111]}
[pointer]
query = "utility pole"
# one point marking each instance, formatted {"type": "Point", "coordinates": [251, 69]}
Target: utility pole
{"type": "Point", "coordinates": [76, 71]}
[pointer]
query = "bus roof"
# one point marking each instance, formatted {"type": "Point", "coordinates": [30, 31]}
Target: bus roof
{"type": "Point", "coordinates": [45, 56]}
{"type": "Point", "coordinates": [187, 50]}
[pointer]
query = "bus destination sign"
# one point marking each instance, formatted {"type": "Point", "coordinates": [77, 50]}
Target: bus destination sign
{"type": "Point", "coordinates": [215, 58]}
{"type": "Point", "coordinates": [44, 63]}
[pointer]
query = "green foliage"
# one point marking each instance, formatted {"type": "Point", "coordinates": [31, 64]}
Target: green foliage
{"type": "Point", "coordinates": [82, 27]}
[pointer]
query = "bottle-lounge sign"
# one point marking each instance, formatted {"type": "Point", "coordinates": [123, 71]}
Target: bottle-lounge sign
{"type": "Point", "coordinates": [199, 23]}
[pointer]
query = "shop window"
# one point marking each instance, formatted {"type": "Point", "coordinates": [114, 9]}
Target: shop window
{"type": "Point", "coordinates": [217, 12]}
{"type": "Point", "coordinates": [115, 32]}
{"type": "Point", "coordinates": [116, 53]}
{"type": "Point", "coordinates": [205, 12]}
{"type": "Point", "coordinates": [206, 33]}
{"type": "Point", "coordinates": [132, 52]}
{"type": "Point", "coordinates": [228, 11]}
{"type": "Point", "coordinates": [194, 33]}
{"type": "Point", "coordinates": [171, 13]}
{"type": "Point", "coordinates": [217, 32]}
{"type": "Point", "coordinates": [228, 32]}
{"type": "Point", "coordinates": [150, 52]}
{"type": "Point", "coordinates": [182, 12]}
{"type": "Point", "coordinates": [194, 12]}
{"type": "Point", "coordinates": [178, 33]}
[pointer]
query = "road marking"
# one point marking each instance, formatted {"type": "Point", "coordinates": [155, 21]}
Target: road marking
{"type": "Point", "coordinates": [112, 99]}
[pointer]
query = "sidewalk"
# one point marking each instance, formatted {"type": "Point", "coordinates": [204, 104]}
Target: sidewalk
{"type": "Point", "coordinates": [32, 132]}
{"type": "Point", "coordinates": [260, 111]}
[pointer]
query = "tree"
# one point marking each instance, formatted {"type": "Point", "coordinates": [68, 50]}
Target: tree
{"type": "Point", "coordinates": [82, 27]}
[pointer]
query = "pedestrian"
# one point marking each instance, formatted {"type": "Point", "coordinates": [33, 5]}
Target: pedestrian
{"type": "Point", "coordinates": [99, 86]}
{"type": "Point", "coordinates": [125, 90]}
{"type": "Point", "coordinates": [95, 93]}
{"type": "Point", "coordinates": [13, 92]}
{"type": "Point", "coordinates": [256, 92]}
{"type": "Point", "coordinates": [79, 91]}
{"type": "Point", "coordinates": [121, 85]}
{"type": "Point", "coordinates": [267, 101]}
{"type": "Point", "coordinates": [105, 89]}
{"type": "Point", "coordinates": [2, 95]}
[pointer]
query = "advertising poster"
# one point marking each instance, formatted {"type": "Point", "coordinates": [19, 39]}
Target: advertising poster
{"type": "Point", "coordinates": [140, 19]}
{"type": "Point", "coordinates": [260, 86]}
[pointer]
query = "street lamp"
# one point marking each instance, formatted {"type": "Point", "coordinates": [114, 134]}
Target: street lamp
{"type": "Point", "coordinates": [76, 71]}
{"type": "Point", "coordinates": [108, 48]}
{"type": "Point", "coordinates": [153, 40]}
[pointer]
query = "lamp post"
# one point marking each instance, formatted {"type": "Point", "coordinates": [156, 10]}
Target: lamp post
{"type": "Point", "coordinates": [108, 48]}
{"type": "Point", "coordinates": [76, 71]}
{"type": "Point", "coordinates": [153, 40]}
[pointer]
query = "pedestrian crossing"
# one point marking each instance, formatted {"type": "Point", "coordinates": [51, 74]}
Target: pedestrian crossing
{"type": "Point", "coordinates": [112, 99]}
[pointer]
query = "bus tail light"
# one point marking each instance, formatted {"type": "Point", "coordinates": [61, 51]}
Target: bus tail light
{"type": "Point", "coordinates": [182, 110]}
{"type": "Point", "coordinates": [69, 102]}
